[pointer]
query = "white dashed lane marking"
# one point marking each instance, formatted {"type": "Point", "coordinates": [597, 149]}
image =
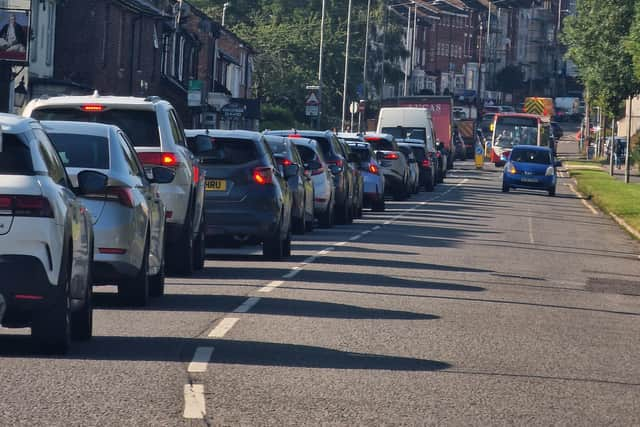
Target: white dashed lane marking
{"type": "Point", "coordinates": [224, 326]}
{"type": "Point", "coordinates": [247, 305]}
{"type": "Point", "coordinates": [200, 360]}
{"type": "Point", "coordinates": [194, 407]}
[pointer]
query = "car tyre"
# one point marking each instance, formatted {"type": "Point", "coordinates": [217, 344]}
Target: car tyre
{"type": "Point", "coordinates": [286, 246]}
{"type": "Point", "coordinates": [273, 247]}
{"type": "Point", "coordinates": [200, 247]}
{"type": "Point", "coordinates": [505, 188]}
{"type": "Point", "coordinates": [299, 225]}
{"type": "Point", "coordinates": [326, 218]}
{"type": "Point", "coordinates": [157, 282]}
{"type": "Point", "coordinates": [552, 191]}
{"type": "Point", "coordinates": [379, 205]}
{"type": "Point", "coordinates": [135, 290]}
{"type": "Point", "coordinates": [308, 225]}
{"type": "Point", "coordinates": [429, 185]}
{"type": "Point", "coordinates": [82, 320]}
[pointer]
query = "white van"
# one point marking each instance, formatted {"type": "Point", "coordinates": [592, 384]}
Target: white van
{"type": "Point", "coordinates": [407, 123]}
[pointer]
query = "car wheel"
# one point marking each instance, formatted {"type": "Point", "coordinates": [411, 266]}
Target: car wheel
{"type": "Point", "coordinates": [135, 290]}
{"type": "Point", "coordinates": [350, 214]}
{"type": "Point", "coordinates": [326, 217]}
{"type": "Point", "coordinates": [82, 320]}
{"type": "Point", "coordinates": [51, 328]}
{"type": "Point", "coordinates": [308, 225]}
{"type": "Point", "coordinates": [552, 191]}
{"type": "Point", "coordinates": [273, 247]}
{"type": "Point", "coordinates": [183, 254]}
{"type": "Point", "coordinates": [286, 246]}
{"type": "Point", "coordinates": [429, 186]}
{"type": "Point", "coordinates": [299, 225]}
{"type": "Point", "coordinates": [505, 188]}
{"type": "Point", "coordinates": [200, 247]}
{"type": "Point", "coordinates": [157, 282]}
{"type": "Point", "coordinates": [378, 205]}
{"type": "Point", "coordinates": [341, 215]}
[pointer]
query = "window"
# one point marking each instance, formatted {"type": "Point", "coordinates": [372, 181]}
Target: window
{"type": "Point", "coordinates": [15, 157]}
{"type": "Point", "coordinates": [81, 151]}
{"type": "Point", "coordinates": [134, 167]}
{"type": "Point", "coordinates": [50, 157]}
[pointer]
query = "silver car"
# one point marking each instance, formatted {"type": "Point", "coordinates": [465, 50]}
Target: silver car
{"type": "Point", "coordinates": [393, 163]}
{"type": "Point", "coordinates": [129, 218]}
{"type": "Point", "coordinates": [373, 191]}
{"type": "Point", "coordinates": [414, 169]}
{"type": "Point", "coordinates": [322, 178]}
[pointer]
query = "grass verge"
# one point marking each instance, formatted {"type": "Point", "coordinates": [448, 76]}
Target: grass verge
{"type": "Point", "coordinates": [610, 195]}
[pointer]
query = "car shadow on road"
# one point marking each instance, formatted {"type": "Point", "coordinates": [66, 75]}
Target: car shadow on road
{"type": "Point", "coordinates": [266, 306]}
{"type": "Point", "coordinates": [392, 263]}
{"type": "Point", "coordinates": [231, 352]}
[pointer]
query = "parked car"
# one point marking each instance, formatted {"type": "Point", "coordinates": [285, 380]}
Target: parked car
{"type": "Point", "coordinates": [426, 160]}
{"type": "Point", "coordinates": [532, 167]}
{"type": "Point", "coordinates": [46, 238]}
{"type": "Point", "coordinates": [393, 163]}
{"type": "Point", "coordinates": [128, 218]}
{"type": "Point", "coordinates": [322, 179]}
{"type": "Point", "coordinates": [358, 182]}
{"type": "Point", "coordinates": [342, 175]}
{"type": "Point", "coordinates": [247, 197]}
{"type": "Point", "coordinates": [413, 183]}
{"type": "Point", "coordinates": [298, 179]}
{"type": "Point", "coordinates": [373, 178]}
{"type": "Point", "coordinates": [154, 128]}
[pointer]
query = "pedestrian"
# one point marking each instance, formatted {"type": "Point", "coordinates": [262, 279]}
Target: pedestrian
{"type": "Point", "coordinates": [619, 152]}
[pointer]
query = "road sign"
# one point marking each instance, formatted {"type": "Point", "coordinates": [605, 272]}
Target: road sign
{"type": "Point", "coordinates": [312, 99]}
{"type": "Point", "coordinates": [311, 110]}
{"type": "Point", "coordinates": [194, 95]}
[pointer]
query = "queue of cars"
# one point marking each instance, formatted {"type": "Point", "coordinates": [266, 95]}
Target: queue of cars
{"type": "Point", "coordinates": [106, 190]}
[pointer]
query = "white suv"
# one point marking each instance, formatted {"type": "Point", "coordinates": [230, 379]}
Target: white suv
{"type": "Point", "coordinates": [154, 128]}
{"type": "Point", "coordinates": [46, 238]}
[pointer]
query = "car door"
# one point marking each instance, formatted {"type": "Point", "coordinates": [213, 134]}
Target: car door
{"type": "Point", "coordinates": [78, 220]}
{"type": "Point", "coordinates": [306, 182]}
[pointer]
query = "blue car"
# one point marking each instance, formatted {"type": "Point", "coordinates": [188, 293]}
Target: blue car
{"type": "Point", "coordinates": [532, 167]}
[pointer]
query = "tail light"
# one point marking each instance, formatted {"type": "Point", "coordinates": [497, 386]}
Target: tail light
{"type": "Point", "coordinates": [438, 154]}
{"type": "Point", "coordinates": [263, 175]}
{"type": "Point", "coordinates": [92, 108]}
{"type": "Point", "coordinates": [391, 156]}
{"type": "Point", "coordinates": [338, 162]}
{"type": "Point", "coordinates": [318, 171]}
{"type": "Point", "coordinates": [159, 159]}
{"type": "Point", "coordinates": [373, 169]}
{"type": "Point", "coordinates": [283, 161]}
{"type": "Point", "coordinates": [29, 206]}
{"type": "Point", "coordinates": [124, 195]}
{"type": "Point", "coordinates": [426, 163]}
{"type": "Point", "coordinates": [196, 174]}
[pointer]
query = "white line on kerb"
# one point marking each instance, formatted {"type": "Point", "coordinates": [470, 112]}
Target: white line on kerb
{"type": "Point", "coordinates": [247, 305]}
{"type": "Point", "coordinates": [271, 286]}
{"type": "Point", "coordinates": [200, 359]}
{"type": "Point", "coordinates": [194, 407]}
{"type": "Point", "coordinates": [223, 327]}
{"type": "Point", "coordinates": [584, 202]}
{"type": "Point", "coordinates": [340, 244]}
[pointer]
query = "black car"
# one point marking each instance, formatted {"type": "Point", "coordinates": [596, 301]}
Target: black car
{"type": "Point", "coordinates": [427, 162]}
{"type": "Point", "coordinates": [299, 181]}
{"type": "Point", "coordinates": [343, 176]}
{"type": "Point", "coordinates": [247, 198]}
{"type": "Point", "coordinates": [353, 163]}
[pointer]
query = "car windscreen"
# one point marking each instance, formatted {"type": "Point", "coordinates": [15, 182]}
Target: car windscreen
{"type": "Point", "coordinates": [381, 144]}
{"type": "Point", "coordinates": [512, 131]}
{"type": "Point", "coordinates": [15, 158]}
{"type": "Point", "coordinates": [82, 151]}
{"type": "Point", "coordinates": [324, 143]}
{"type": "Point", "coordinates": [140, 126]}
{"type": "Point", "coordinates": [277, 146]}
{"type": "Point", "coordinates": [540, 157]}
{"type": "Point", "coordinates": [400, 132]}
{"type": "Point", "coordinates": [307, 154]}
{"type": "Point", "coordinates": [363, 154]}
{"type": "Point", "coordinates": [230, 151]}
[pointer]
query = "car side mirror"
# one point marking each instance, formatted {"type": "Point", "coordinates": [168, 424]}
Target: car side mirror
{"type": "Point", "coordinates": [291, 170]}
{"type": "Point", "coordinates": [91, 182]}
{"type": "Point", "coordinates": [412, 160]}
{"type": "Point", "coordinates": [335, 169]}
{"type": "Point", "coordinates": [200, 144]}
{"type": "Point", "coordinates": [160, 175]}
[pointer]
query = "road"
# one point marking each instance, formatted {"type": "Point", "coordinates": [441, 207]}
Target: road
{"type": "Point", "coordinates": [465, 306]}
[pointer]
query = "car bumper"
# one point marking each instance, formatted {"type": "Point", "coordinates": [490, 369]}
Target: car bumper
{"type": "Point", "coordinates": [533, 182]}
{"type": "Point", "coordinates": [25, 288]}
{"type": "Point", "coordinates": [241, 222]}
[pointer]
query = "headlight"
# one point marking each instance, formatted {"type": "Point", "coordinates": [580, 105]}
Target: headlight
{"type": "Point", "coordinates": [550, 171]}
{"type": "Point", "coordinates": [511, 169]}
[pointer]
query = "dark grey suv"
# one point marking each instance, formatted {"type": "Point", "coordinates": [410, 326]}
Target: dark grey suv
{"type": "Point", "coordinates": [246, 197]}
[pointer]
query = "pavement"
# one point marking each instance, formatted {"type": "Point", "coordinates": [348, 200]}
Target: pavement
{"type": "Point", "coordinates": [465, 306]}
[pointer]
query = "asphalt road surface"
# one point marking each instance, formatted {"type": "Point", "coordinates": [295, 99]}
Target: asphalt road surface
{"type": "Point", "coordinates": [465, 306]}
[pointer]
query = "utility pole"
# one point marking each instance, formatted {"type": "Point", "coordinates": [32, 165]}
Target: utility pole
{"type": "Point", "coordinates": [612, 148]}
{"type": "Point", "coordinates": [365, 96]}
{"type": "Point", "coordinates": [384, 42]}
{"type": "Point", "coordinates": [346, 66]}
{"type": "Point", "coordinates": [324, 3]}
{"type": "Point", "coordinates": [626, 154]}
{"type": "Point", "coordinates": [406, 62]}
{"type": "Point", "coordinates": [415, 37]}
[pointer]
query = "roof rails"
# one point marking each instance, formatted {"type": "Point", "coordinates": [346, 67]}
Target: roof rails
{"type": "Point", "coordinates": [153, 98]}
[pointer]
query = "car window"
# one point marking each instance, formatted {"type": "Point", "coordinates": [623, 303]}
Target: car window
{"type": "Point", "coordinates": [15, 157]}
{"type": "Point", "coordinates": [307, 154]}
{"type": "Point", "coordinates": [141, 126]}
{"type": "Point", "coordinates": [381, 144]}
{"type": "Point", "coordinates": [542, 157]}
{"type": "Point", "coordinates": [81, 151]}
{"type": "Point", "coordinates": [296, 154]}
{"type": "Point", "coordinates": [55, 168]}
{"type": "Point", "coordinates": [176, 128]}
{"type": "Point", "coordinates": [277, 146]}
{"type": "Point", "coordinates": [363, 154]}
{"type": "Point", "coordinates": [130, 157]}
{"type": "Point", "coordinates": [230, 151]}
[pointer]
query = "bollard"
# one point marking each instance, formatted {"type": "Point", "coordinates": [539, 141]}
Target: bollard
{"type": "Point", "coordinates": [479, 156]}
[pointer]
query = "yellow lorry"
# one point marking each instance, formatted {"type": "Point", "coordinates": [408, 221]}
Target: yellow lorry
{"type": "Point", "coordinates": [539, 106]}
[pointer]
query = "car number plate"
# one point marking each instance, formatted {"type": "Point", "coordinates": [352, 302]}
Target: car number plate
{"type": "Point", "coordinates": [215, 185]}
{"type": "Point", "coordinates": [529, 180]}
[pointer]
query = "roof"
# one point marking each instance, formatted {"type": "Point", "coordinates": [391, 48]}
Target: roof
{"type": "Point", "coordinates": [143, 6]}
{"type": "Point", "coordinates": [11, 123]}
{"type": "Point", "coordinates": [237, 134]}
{"type": "Point", "coordinates": [77, 100]}
{"type": "Point", "coordinates": [531, 147]}
{"type": "Point", "coordinates": [83, 128]}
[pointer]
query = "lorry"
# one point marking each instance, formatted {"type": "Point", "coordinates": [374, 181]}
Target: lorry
{"type": "Point", "coordinates": [441, 108]}
{"type": "Point", "coordinates": [539, 106]}
{"type": "Point", "coordinates": [569, 106]}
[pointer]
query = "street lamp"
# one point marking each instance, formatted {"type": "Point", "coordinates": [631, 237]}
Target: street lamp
{"type": "Point", "coordinates": [346, 66]}
{"type": "Point", "coordinates": [20, 94]}
{"type": "Point", "coordinates": [224, 11]}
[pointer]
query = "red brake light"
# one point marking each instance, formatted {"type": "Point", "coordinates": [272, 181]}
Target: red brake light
{"type": "Point", "coordinates": [391, 156]}
{"type": "Point", "coordinates": [373, 169]}
{"type": "Point", "coordinates": [372, 138]}
{"type": "Point", "coordinates": [32, 206]}
{"type": "Point", "coordinates": [339, 163]}
{"type": "Point", "coordinates": [92, 108]}
{"type": "Point", "coordinates": [284, 161]}
{"type": "Point", "coordinates": [426, 163]}
{"type": "Point", "coordinates": [438, 154]}
{"type": "Point", "coordinates": [263, 175]}
{"type": "Point", "coordinates": [294, 135]}
{"type": "Point", "coordinates": [159, 159]}
{"type": "Point", "coordinates": [6, 205]}
{"type": "Point", "coordinates": [124, 195]}
{"type": "Point", "coordinates": [112, 251]}
{"type": "Point", "coordinates": [196, 174]}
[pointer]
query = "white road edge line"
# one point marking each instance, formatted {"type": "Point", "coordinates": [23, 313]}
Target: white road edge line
{"type": "Point", "coordinates": [584, 202]}
{"type": "Point", "coordinates": [356, 237]}
{"type": "Point", "coordinates": [365, 232]}
{"type": "Point", "coordinates": [194, 407]}
{"type": "Point", "coordinates": [271, 286]}
{"type": "Point", "coordinates": [340, 244]}
{"type": "Point", "coordinates": [291, 274]}
{"type": "Point", "coordinates": [200, 359]}
{"type": "Point", "coordinates": [247, 305]}
{"type": "Point", "coordinates": [223, 327]}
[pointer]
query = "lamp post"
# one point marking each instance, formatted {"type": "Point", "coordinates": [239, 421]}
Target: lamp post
{"type": "Point", "coordinates": [346, 65]}
{"type": "Point", "coordinates": [20, 94]}
{"type": "Point", "coordinates": [224, 12]}
{"type": "Point", "coordinates": [324, 3]}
